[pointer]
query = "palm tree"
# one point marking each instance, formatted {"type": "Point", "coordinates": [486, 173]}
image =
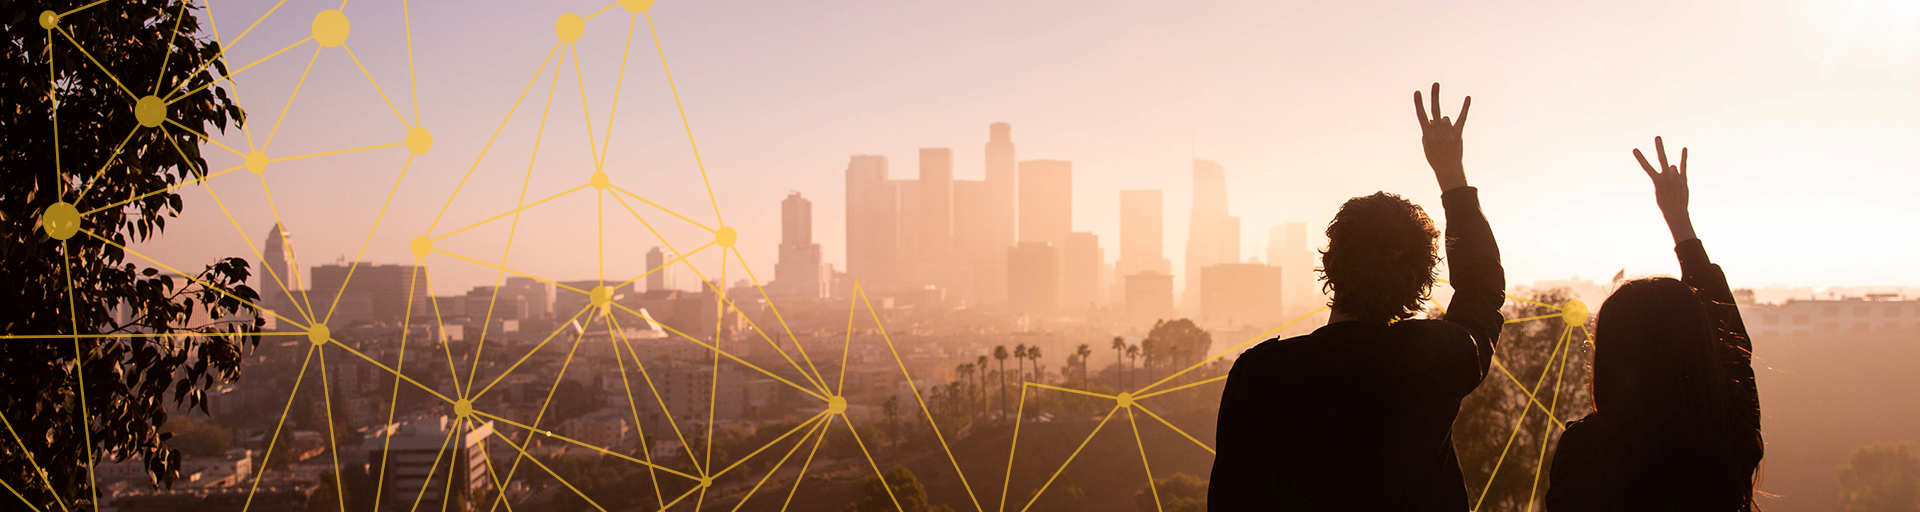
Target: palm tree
{"type": "Point", "coordinates": [1133, 357]}
{"type": "Point", "coordinates": [1119, 352]}
{"type": "Point", "coordinates": [1020, 363]}
{"type": "Point", "coordinates": [1000, 354]}
{"type": "Point", "coordinates": [965, 371]}
{"type": "Point", "coordinates": [1038, 374]}
{"type": "Point", "coordinates": [1083, 351]}
{"type": "Point", "coordinates": [981, 363]}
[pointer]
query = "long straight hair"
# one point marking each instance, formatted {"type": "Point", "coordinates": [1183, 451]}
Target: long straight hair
{"type": "Point", "coordinates": [1671, 418]}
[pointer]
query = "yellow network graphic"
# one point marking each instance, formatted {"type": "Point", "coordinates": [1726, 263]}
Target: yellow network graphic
{"type": "Point", "coordinates": [331, 30]}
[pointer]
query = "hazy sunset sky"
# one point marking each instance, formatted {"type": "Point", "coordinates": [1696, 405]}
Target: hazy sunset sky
{"type": "Point", "coordinates": [1801, 116]}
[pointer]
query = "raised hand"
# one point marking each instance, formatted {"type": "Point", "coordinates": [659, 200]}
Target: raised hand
{"type": "Point", "coordinates": [1669, 189]}
{"type": "Point", "coordinates": [1440, 137]}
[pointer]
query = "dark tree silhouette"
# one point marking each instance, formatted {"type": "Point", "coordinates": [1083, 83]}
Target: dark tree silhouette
{"type": "Point", "coordinates": [1488, 415]}
{"type": "Point", "coordinates": [905, 489]}
{"type": "Point", "coordinates": [84, 284]}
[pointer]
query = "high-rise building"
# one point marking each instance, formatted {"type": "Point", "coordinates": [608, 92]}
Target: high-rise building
{"type": "Point", "coordinates": [376, 292]}
{"type": "Point", "coordinates": [798, 273]}
{"type": "Point", "coordinates": [1149, 297]}
{"type": "Point", "coordinates": [657, 263]}
{"type": "Point", "coordinates": [935, 204]}
{"type": "Point", "coordinates": [410, 450]}
{"type": "Point", "coordinates": [282, 275]}
{"type": "Point", "coordinates": [1081, 262]}
{"type": "Point", "coordinates": [974, 243]}
{"type": "Point", "coordinates": [1208, 229]}
{"type": "Point", "coordinates": [1287, 247]}
{"type": "Point", "coordinates": [1241, 294]}
{"type": "Point", "coordinates": [1046, 201]}
{"type": "Point", "coordinates": [537, 295]}
{"type": "Point", "coordinates": [873, 222]}
{"type": "Point", "coordinates": [1033, 279]}
{"type": "Point", "coordinates": [1140, 233]}
{"type": "Point", "coordinates": [990, 271]}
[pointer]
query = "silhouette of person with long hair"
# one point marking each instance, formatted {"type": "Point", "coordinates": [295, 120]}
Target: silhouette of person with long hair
{"type": "Point", "coordinates": [1358, 415]}
{"type": "Point", "coordinates": [1676, 419]}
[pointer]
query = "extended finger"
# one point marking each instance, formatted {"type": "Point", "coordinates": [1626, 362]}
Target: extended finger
{"type": "Point", "coordinates": [1464, 105]}
{"type": "Point", "coordinates": [1644, 165]}
{"type": "Point", "coordinates": [1660, 149]}
{"type": "Point", "coordinates": [1683, 162]}
{"type": "Point", "coordinates": [1435, 98]}
{"type": "Point", "coordinates": [1420, 109]}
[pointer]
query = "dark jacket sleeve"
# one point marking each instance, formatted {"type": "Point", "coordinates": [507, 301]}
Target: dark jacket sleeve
{"type": "Point", "coordinates": [1245, 472]}
{"type": "Point", "coordinates": [1705, 277]}
{"type": "Point", "coordinates": [1473, 263]}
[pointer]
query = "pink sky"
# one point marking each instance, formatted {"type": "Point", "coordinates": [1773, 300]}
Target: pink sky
{"type": "Point", "coordinates": [1800, 115]}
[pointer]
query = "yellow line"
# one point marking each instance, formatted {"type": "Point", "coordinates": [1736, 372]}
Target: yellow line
{"type": "Point", "coordinates": [1547, 430]}
{"type": "Point", "coordinates": [32, 462]}
{"type": "Point", "coordinates": [876, 466]}
{"type": "Point", "coordinates": [297, 86]}
{"type": "Point", "coordinates": [1530, 396]}
{"type": "Point", "coordinates": [617, 188]}
{"type": "Point", "coordinates": [536, 349]}
{"type": "Point", "coordinates": [178, 16]}
{"type": "Point", "coordinates": [736, 359]}
{"type": "Point", "coordinates": [339, 151]}
{"type": "Point", "coordinates": [858, 296]}
{"type": "Point", "coordinates": [510, 212]}
{"type": "Point", "coordinates": [1531, 318]}
{"type": "Point", "coordinates": [683, 120]}
{"type": "Point", "coordinates": [1183, 386]}
{"type": "Point", "coordinates": [413, 85]}
{"type": "Point", "coordinates": [333, 442]}
{"type": "Point", "coordinates": [564, 364]}
{"type": "Point", "coordinates": [393, 404]}
{"type": "Point", "coordinates": [599, 154]}
{"type": "Point", "coordinates": [602, 9]}
{"type": "Point", "coordinates": [203, 136]}
{"type": "Point", "coordinates": [796, 428]}
{"type": "Point", "coordinates": [607, 137]}
{"type": "Point", "coordinates": [189, 277]}
{"type": "Point", "coordinates": [96, 62]}
{"type": "Point", "coordinates": [1257, 338]}
{"type": "Point", "coordinates": [1169, 424]}
{"type": "Point", "coordinates": [294, 259]}
{"type": "Point", "coordinates": [942, 438]}
{"type": "Point", "coordinates": [169, 188]}
{"type": "Point", "coordinates": [777, 465]}
{"type": "Point", "coordinates": [82, 8]}
{"type": "Point", "coordinates": [256, 23]}
{"type": "Point", "coordinates": [376, 85]}
{"type": "Point", "coordinates": [713, 392]}
{"type": "Point", "coordinates": [648, 379]}
{"type": "Point", "coordinates": [423, 387]}
{"type": "Point", "coordinates": [230, 74]}
{"type": "Point", "coordinates": [1071, 390]}
{"type": "Point", "coordinates": [1063, 465]}
{"type": "Point", "coordinates": [271, 441]}
{"type": "Point", "coordinates": [452, 371]}
{"type": "Point", "coordinates": [103, 167]}
{"type": "Point", "coordinates": [803, 467]}
{"type": "Point", "coordinates": [53, 110]}
{"type": "Point", "coordinates": [1143, 461]}
{"type": "Point", "coordinates": [496, 135]}
{"type": "Point", "coordinates": [821, 379]}
{"type": "Point", "coordinates": [435, 467]}
{"type": "Point", "coordinates": [728, 303]}
{"type": "Point", "coordinates": [369, 241]}
{"type": "Point", "coordinates": [1491, 475]}
{"type": "Point", "coordinates": [548, 433]}
{"type": "Point", "coordinates": [669, 263]}
{"type": "Point", "coordinates": [626, 385]}
{"type": "Point", "coordinates": [136, 335]}
{"type": "Point", "coordinates": [508, 270]}
{"type": "Point", "coordinates": [1013, 447]}
{"type": "Point", "coordinates": [23, 498]}
{"type": "Point", "coordinates": [556, 476]}
{"type": "Point", "coordinates": [275, 274]}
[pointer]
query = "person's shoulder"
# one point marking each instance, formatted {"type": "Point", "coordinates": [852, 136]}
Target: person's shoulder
{"type": "Point", "coordinates": [1266, 351]}
{"type": "Point", "coordinates": [1435, 329]}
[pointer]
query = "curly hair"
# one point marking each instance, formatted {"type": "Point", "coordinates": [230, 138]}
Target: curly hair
{"type": "Point", "coordinates": [1380, 257]}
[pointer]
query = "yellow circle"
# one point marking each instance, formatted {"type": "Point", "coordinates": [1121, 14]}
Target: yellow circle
{"type": "Point", "coordinates": [420, 246]}
{"type": "Point", "coordinates": [598, 181]}
{"type": "Point", "coordinates": [150, 111]}
{"type": "Point", "coordinates": [48, 19]}
{"type": "Point", "coordinates": [837, 405]}
{"type": "Point", "coordinates": [60, 220]}
{"type": "Point", "coordinates": [1574, 313]}
{"type": "Point", "coordinates": [726, 236]}
{"type": "Point", "coordinates": [569, 27]}
{"type": "Point", "coordinates": [463, 408]}
{"type": "Point", "coordinates": [257, 161]}
{"type": "Point", "coordinates": [330, 28]}
{"type": "Point", "coordinates": [419, 141]}
{"type": "Point", "coordinates": [600, 296]}
{"type": "Point", "coordinates": [1126, 399]}
{"type": "Point", "coordinates": [319, 334]}
{"type": "Point", "coordinates": [636, 6]}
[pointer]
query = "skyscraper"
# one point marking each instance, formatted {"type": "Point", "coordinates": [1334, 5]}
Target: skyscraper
{"type": "Point", "coordinates": [1140, 233]}
{"type": "Point", "coordinates": [1081, 263]}
{"type": "Point", "coordinates": [375, 293]}
{"type": "Point", "coordinates": [798, 273]}
{"type": "Point", "coordinates": [657, 281]}
{"type": "Point", "coordinates": [1208, 229]}
{"type": "Point", "coordinates": [991, 269]}
{"type": "Point", "coordinates": [935, 224]}
{"type": "Point", "coordinates": [1046, 201]}
{"type": "Point", "coordinates": [872, 222]}
{"type": "Point", "coordinates": [282, 273]}
{"type": "Point", "coordinates": [1033, 279]}
{"type": "Point", "coordinates": [1287, 247]}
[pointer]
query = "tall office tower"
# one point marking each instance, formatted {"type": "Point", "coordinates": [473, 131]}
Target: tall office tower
{"type": "Point", "coordinates": [537, 295]}
{"type": "Point", "coordinates": [872, 222]}
{"type": "Point", "coordinates": [1046, 201]}
{"type": "Point", "coordinates": [376, 292]}
{"type": "Point", "coordinates": [282, 273]}
{"type": "Point", "coordinates": [991, 271]}
{"type": "Point", "coordinates": [1081, 262]}
{"type": "Point", "coordinates": [798, 273]}
{"type": "Point", "coordinates": [1033, 279]}
{"type": "Point", "coordinates": [936, 205]}
{"type": "Point", "coordinates": [973, 238]}
{"type": "Point", "coordinates": [1241, 294]}
{"type": "Point", "coordinates": [1206, 228]}
{"type": "Point", "coordinates": [657, 281]}
{"type": "Point", "coordinates": [1140, 233]}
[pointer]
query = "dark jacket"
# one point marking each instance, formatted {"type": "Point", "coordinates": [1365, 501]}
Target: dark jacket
{"type": "Point", "coordinates": [1359, 415]}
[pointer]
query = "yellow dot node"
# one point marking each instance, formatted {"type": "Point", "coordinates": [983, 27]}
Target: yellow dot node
{"type": "Point", "coordinates": [706, 481]}
{"type": "Point", "coordinates": [463, 408]}
{"type": "Point", "coordinates": [1125, 399]}
{"type": "Point", "coordinates": [420, 246]}
{"type": "Point", "coordinates": [598, 181]}
{"type": "Point", "coordinates": [257, 161]}
{"type": "Point", "coordinates": [48, 19]}
{"type": "Point", "coordinates": [60, 220]}
{"type": "Point", "coordinates": [330, 28]}
{"type": "Point", "coordinates": [319, 334]}
{"type": "Point", "coordinates": [600, 296]}
{"type": "Point", "coordinates": [419, 141]}
{"type": "Point", "coordinates": [726, 236]}
{"type": "Point", "coordinates": [569, 27]}
{"type": "Point", "coordinates": [150, 111]}
{"type": "Point", "coordinates": [1574, 313]}
{"type": "Point", "coordinates": [837, 405]}
{"type": "Point", "coordinates": [636, 6]}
